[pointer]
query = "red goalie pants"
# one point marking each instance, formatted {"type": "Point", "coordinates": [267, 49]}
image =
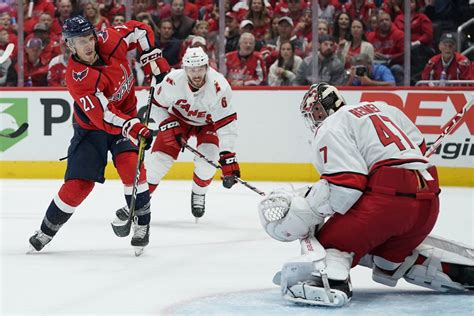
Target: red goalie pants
{"type": "Point", "coordinates": [394, 215]}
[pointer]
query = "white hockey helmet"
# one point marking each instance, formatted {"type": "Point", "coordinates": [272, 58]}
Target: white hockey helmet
{"type": "Point", "coordinates": [320, 101]}
{"type": "Point", "coordinates": [195, 57]}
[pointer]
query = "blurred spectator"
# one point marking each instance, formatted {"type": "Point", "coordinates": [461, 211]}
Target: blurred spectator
{"type": "Point", "coordinates": [64, 12]}
{"type": "Point", "coordinates": [246, 26]}
{"type": "Point", "coordinates": [273, 32]}
{"type": "Point", "coordinates": [387, 40]}
{"type": "Point", "coordinates": [303, 29]}
{"type": "Point", "coordinates": [146, 18]}
{"type": "Point", "coordinates": [364, 72]}
{"type": "Point", "coordinates": [182, 25]}
{"type": "Point", "coordinates": [201, 29]}
{"type": "Point", "coordinates": [169, 45]}
{"type": "Point", "coordinates": [260, 17]}
{"type": "Point", "coordinates": [284, 69]}
{"type": "Point", "coordinates": [421, 38]}
{"type": "Point", "coordinates": [323, 27]}
{"type": "Point", "coordinates": [115, 7]}
{"type": "Point", "coordinates": [295, 9]}
{"type": "Point", "coordinates": [373, 23]}
{"type": "Point", "coordinates": [118, 19]}
{"type": "Point", "coordinates": [50, 42]}
{"type": "Point", "coordinates": [232, 32]}
{"type": "Point", "coordinates": [35, 72]}
{"type": "Point", "coordinates": [356, 45]}
{"type": "Point", "coordinates": [92, 13]}
{"type": "Point", "coordinates": [285, 30]}
{"type": "Point", "coordinates": [342, 25]}
{"type": "Point", "coordinates": [361, 9]}
{"type": "Point", "coordinates": [326, 10]}
{"type": "Point", "coordinates": [6, 21]}
{"type": "Point", "coordinates": [246, 67]}
{"type": "Point", "coordinates": [46, 19]}
{"type": "Point", "coordinates": [7, 38]}
{"type": "Point", "coordinates": [444, 14]}
{"type": "Point", "coordinates": [331, 70]}
{"type": "Point", "coordinates": [449, 64]}
{"type": "Point", "coordinates": [57, 67]}
{"type": "Point", "coordinates": [393, 7]}
{"type": "Point", "coordinates": [4, 68]}
{"type": "Point", "coordinates": [140, 6]}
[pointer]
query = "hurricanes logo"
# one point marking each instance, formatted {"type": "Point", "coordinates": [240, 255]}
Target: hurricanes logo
{"type": "Point", "coordinates": [13, 113]}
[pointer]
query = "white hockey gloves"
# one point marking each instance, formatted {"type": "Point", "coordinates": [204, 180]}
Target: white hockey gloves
{"type": "Point", "coordinates": [287, 216]}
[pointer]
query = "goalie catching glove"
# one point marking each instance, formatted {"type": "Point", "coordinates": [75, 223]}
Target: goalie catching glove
{"type": "Point", "coordinates": [153, 62]}
{"type": "Point", "coordinates": [230, 169]}
{"type": "Point", "coordinates": [133, 128]}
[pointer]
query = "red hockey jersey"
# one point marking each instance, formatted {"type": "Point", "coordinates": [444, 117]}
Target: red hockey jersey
{"type": "Point", "coordinates": [104, 93]}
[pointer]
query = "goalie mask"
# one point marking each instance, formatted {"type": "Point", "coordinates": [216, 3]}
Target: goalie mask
{"type": "Point", "coordinates": [320, 101]}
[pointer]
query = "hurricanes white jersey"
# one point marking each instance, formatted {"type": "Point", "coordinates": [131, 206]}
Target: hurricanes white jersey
{"type": "Point", "coordinates": [357, 139]}
{"type": "Point", "coordinates": [212, 104]}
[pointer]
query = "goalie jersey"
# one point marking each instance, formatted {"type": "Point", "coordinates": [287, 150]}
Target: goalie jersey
{"type": "Point", "coordinates": [211, 104]}
{"type": "Point", "coordinates": [356, 140]}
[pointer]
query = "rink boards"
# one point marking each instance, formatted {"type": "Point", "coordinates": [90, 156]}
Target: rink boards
{"type": "Point", "coordinates": [273, 142]}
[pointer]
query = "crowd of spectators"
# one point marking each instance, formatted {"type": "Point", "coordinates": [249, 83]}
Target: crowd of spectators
{"type": "Point", "coordinates": [267, 42]}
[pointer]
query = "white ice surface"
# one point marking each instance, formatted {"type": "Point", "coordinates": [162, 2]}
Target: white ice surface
{"type": "Point", "coordinates": [221, 266]}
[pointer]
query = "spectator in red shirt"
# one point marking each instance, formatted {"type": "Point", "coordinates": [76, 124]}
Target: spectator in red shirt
{"type": "Point", "coordinates": [260, 17]}
{"type": "Point", "coordinates": [6, 21]}
{"type": "Point", "coordinates": [118, 19]}
{"type": "Point", "coordinates": [361, 9]}
{"type": "Point", "coordinates": [50, 42]}
{"type": "Point", "coordinates": [388, 41]}
{"type": "Point", "coordinates": [7, 38]}
{"type": "Point", "coordinates": [449, 64]}
{"type": "Point", "coordinates": [57, 67]}
{"type": "Point", "coordinates": [246, 66]}
{"type": "Point", "coordinates": [64, 12]}
{"type": "Point", "coordinates": [35, 70]}
{"type": "Point", "coordinates": [393, 7]}
{"type": "Point", "coordinates": [232, 32]}
{"type": "Point", "coordinates": [92, 13]}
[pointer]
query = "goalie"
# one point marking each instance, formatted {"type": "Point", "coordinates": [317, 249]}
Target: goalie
{"type": "Point", "coordinates": [379, 195]}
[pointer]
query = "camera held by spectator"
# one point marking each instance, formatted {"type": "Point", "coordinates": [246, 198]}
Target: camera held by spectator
{"type": "Point", "coordinates": [365, 73]}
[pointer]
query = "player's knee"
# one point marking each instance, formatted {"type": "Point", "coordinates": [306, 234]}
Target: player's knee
{"type": "Point", "coordinates": [126, 164]}
{"type": "Point", "coordinates": [73, 192]}
{"type": "Point", "coordinates": [158, 164]}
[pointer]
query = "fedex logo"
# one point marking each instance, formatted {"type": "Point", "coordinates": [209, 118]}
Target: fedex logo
{"type": "Point", "coordinates": [413, 107]}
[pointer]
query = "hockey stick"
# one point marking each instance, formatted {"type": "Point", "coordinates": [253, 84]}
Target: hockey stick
{"type": "Point", "coordinates": [124, 230]}
{"type": "Point", "coordinates": [449, 128]}
{"type": "Point", "coordinates": [23, 127]}
{"type": "Point", "coordinates": [7, 53]}
{"type": "Point", "coordinates": [212, 163]}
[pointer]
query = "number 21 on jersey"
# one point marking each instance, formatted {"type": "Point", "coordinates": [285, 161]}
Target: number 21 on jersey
{"type": "Point", "coordinates": [86, 103]}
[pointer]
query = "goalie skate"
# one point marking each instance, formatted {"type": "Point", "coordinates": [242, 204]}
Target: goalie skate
{"type": "Point", "coordinates": [38, 241]}
{"type": "Point", "coordinates": [198, 207]}
{"type": "Point", "coordinates": [121, 224]}
{"type": "Point", "coordinates": [314, 293]}
{"type": "Point", "coordinates": [141, 238]}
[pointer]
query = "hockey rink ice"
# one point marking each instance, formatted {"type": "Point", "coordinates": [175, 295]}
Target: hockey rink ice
{"type": "Point", "coordinates": [223, 265]}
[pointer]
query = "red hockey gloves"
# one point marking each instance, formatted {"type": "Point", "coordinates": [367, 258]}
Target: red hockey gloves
{"type": "Point", "coordinates": [230, 169]}
{"type": "Point", "coordinates": [171, 133]}
{"type": "Point", "coordinates": [153, 62]}
{"type": "Point", "coordinates": [133, 128]}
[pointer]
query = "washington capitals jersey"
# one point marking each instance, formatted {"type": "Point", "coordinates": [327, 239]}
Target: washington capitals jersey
{"type": "Point", "coordinates": [104, 93]}
{"type": "Point", "coordinates": [356, 140]}
{"type": "Point", "coordinates": [211, 104]}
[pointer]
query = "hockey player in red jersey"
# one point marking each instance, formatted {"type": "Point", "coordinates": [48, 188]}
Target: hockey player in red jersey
{"type": "Point", "coordinates": [195, 101]}
{"type": "Point", "coordinates": [379, 195]}
{"type": "Point", "coordinates": [101, 83]}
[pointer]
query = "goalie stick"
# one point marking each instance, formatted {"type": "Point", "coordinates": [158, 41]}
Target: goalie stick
{"type": "Point", "coordinates": [7, 53]}
{"type": "Point", "coordinates": [449, 128]}
{"type": "Point", "coordinates": [215, 165]}
{"type": "Point", "coordinates": [23, 127]}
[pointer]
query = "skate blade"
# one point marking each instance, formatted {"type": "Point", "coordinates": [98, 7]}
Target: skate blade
{"type": "Point", "coordinates": [31, 250]}
{"type": "Point", "coordinates": [138, 251]}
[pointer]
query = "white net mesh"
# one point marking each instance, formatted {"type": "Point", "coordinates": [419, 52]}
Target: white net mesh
{"type": "Point", "coordinates": [275, 206]}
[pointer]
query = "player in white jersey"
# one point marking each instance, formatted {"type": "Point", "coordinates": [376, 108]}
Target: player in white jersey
{"type": "Point", "coordinates": [194, 101]}
{"type": "Point", "coordinates": [380, 195]}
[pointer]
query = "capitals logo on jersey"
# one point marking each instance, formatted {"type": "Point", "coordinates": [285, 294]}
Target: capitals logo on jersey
{"type": "Point", "coordinates": [104, 35]}
{"type": "Point", "coordinates": [124, 87]}
{"type": "Point", "coordinates": [80, 75]}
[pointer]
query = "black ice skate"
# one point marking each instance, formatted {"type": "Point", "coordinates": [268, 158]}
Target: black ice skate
{"type": "Point", "coordinates": [141, 237]}
{"type": "Point", "coordinates": [121, 224]}
{"type": "Point", "coordinates": [198, 202]}
{"type": "Point", "coordinates": [462, 274]}
{"type": "Point", "coordinates": [39, 240]}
